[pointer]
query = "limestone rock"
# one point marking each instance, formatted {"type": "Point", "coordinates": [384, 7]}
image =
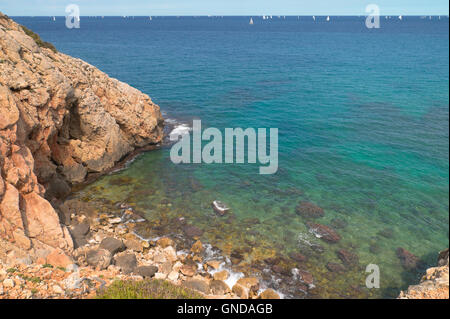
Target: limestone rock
{"type": "Point", "coordinates": [60, 119]}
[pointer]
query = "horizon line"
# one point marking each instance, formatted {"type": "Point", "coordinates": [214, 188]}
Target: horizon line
{"type": "Point", "coordinates": [246, 15]}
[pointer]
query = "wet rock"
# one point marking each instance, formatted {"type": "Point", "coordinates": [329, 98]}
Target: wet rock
{"type": "Point", "coordinates": [306, 277]}
{"type": "Point", "coordinates": [349, 259]}
{"type": "Point", "coordinates": [408, 260]}
{"type": "Point", "coordinates": [220, 208]}
{"type": "Point", "coordinates": [98, 258]}
{"type": "Point", "coordinates": [197, 284]}
{"type": "Point", "coordinates": [309, 210]}
{"type": "Point", "coordinates": [165, 242]}
{"type": "Point", "coordinates": [236, 257]}
{"type": "Point", "coordinates": [241, 291]}
{"type": "Point", "coordinates": [146, 271]}
{"type": "Point", "coordinates": [218, 287]}
{"type": "Point", "coordinates": [192, 231]}
{"type": "Point", "coordinates": [221, 275]}
{"type": "Point", "coordinates": [324, 232]}
{"type": "Point", "coordinates": [126, 262]}
{"type": "Point", "coordinates": [251, 283]}
{"type": "Point", "coordinates": [298, 257]}
{"type": "Point", "coordinates": [112, 245]}
{"type": "Point", "coordinates": [214, 264]}
{"type": "Point", "coordinates": [269, 294]}
{"type": "Point", "coordinates": [335, 267]}
{"type": "Point", "coordinates": [197, 247]}
{"type": "Point", "coordinates": [189, 269]}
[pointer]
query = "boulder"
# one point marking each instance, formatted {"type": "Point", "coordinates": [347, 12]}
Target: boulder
{"type": "Point", "coordinates": [165, 242]}
{"type": "Point", "coordinates": [197, 247]}
{"type": "Point", "coordinates": [218, 287]}
{"type": "Point", "coordinates": [269, 294]}
{"type": "Point", "coordinates": [221, 275]}
{"type": "Point", "coordinates": [126, 262]}
{"type": "Point", "coordinates": [112, 245]}
{"type": "Point", "coordinates": [146, 271]}
{"type": "Point", "coordinates": [335, 267]}
{"type": "Point", "coordinates": [98, 258]}
{"type": "Point", "coordinates": [197, 284]}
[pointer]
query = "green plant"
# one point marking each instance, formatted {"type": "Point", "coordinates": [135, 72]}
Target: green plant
{"type": "Point", "coordinates": [47, 266]}
{"type": "Point", "coordinates": [147, 289]}
{"type": "Point", "coordinates": [11, 270]}
{"type": "Point", "coordinates": [38, 39]}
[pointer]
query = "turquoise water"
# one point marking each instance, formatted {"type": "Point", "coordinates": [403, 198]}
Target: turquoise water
{"type": "Point", "coordinates": [363, 118]}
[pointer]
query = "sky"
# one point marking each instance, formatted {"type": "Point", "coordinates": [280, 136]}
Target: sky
{"type": "Point", "coordinates": [222, 7]}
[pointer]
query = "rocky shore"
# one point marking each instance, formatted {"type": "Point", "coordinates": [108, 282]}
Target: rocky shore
{"type": "Point", "coordinates": [64, 123]}
{"type": "Point", "coordinates": [434, 284]}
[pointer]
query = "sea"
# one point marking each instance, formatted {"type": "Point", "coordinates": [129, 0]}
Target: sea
{"type": "Point", "coordinates": [363, 122]}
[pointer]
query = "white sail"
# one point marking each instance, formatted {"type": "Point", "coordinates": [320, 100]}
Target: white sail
{"type": "Point", "coordinates": [314, 18]}
{"type": "Point", "coordinates": [251, 21]}
{"type": "Point", "coordinates": [328, 18]}
{"type": "Point", "coordinates": [400, 17]}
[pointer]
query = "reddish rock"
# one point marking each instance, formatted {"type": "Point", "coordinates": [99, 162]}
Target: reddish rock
{"type": "Point", "coordinates": [298, 257]}
{"type": "Point", "coordinates": [408, 260]}
{"type": "Point", "coordinates": [324, 232]}
{"type": "Point", "coordinates": [348, 258]}
{"type": "Point", "coordinates": [58, 258]}
{"type": "Point", "coordinates": [309, 210]}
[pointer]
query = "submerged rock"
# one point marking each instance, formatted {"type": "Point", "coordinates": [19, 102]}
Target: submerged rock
{"type": "Point", "coordinates": [309, 210]}
{"type": "Point", "coordinates": [220, 208]}
{"type": "Point", "coordinates": [192, 231]}
{"type": "Point", "coordinates": [348, 258]}
{"type": "Point", "coordinates": [324, 232]}
{"type": "Point", "coordinates": [408, 260]}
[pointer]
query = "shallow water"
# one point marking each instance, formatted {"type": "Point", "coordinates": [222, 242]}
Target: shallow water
{"type": "Point", "coordinates": [363, 129]}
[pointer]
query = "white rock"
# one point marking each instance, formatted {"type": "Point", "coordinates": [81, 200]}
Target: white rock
{"type": "Point", "coordinates": [173, 276]}
{"type": "Point", "coordinates": [8, 283]}
{"type": "Point", "coordinates": [177, 266]}
{"type": "Point", "coordinates": [116, 220]}
{"type": "Point", "coordinates": [57, 289]}
{"type": "Point", "coordinates": [160, 275]}
{"type": "Point", "coordinates": [170, 253]}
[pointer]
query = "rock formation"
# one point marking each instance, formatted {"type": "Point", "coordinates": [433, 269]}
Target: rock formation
{"type": "Point", "coordinates": [60, 119]}
{"type": "Point", "coordinates": [434, 284]}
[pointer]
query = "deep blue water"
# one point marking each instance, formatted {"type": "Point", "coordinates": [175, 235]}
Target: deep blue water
{"type": "Point", "coordinates": [363, 118]}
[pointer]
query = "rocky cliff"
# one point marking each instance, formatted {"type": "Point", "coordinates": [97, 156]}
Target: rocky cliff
{"type": "Point", "coordinates": [60, 120]}
{"type": "Point", "coordinates": [434, 284]}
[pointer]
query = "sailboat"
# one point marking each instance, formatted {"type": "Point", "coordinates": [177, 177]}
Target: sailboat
{"type": "Point", "coordinates": [328, 18]}
{"type": "Point", "coordinates": [54, 19]}
{"type": "Point", "coordinates": [150, 18]}
{"type": "Point", "coordinates": [400, 17]}
{"type": "Point", "coordinates": [251, 21]}
{"type": "Point", "coordinates": [314, 18]}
